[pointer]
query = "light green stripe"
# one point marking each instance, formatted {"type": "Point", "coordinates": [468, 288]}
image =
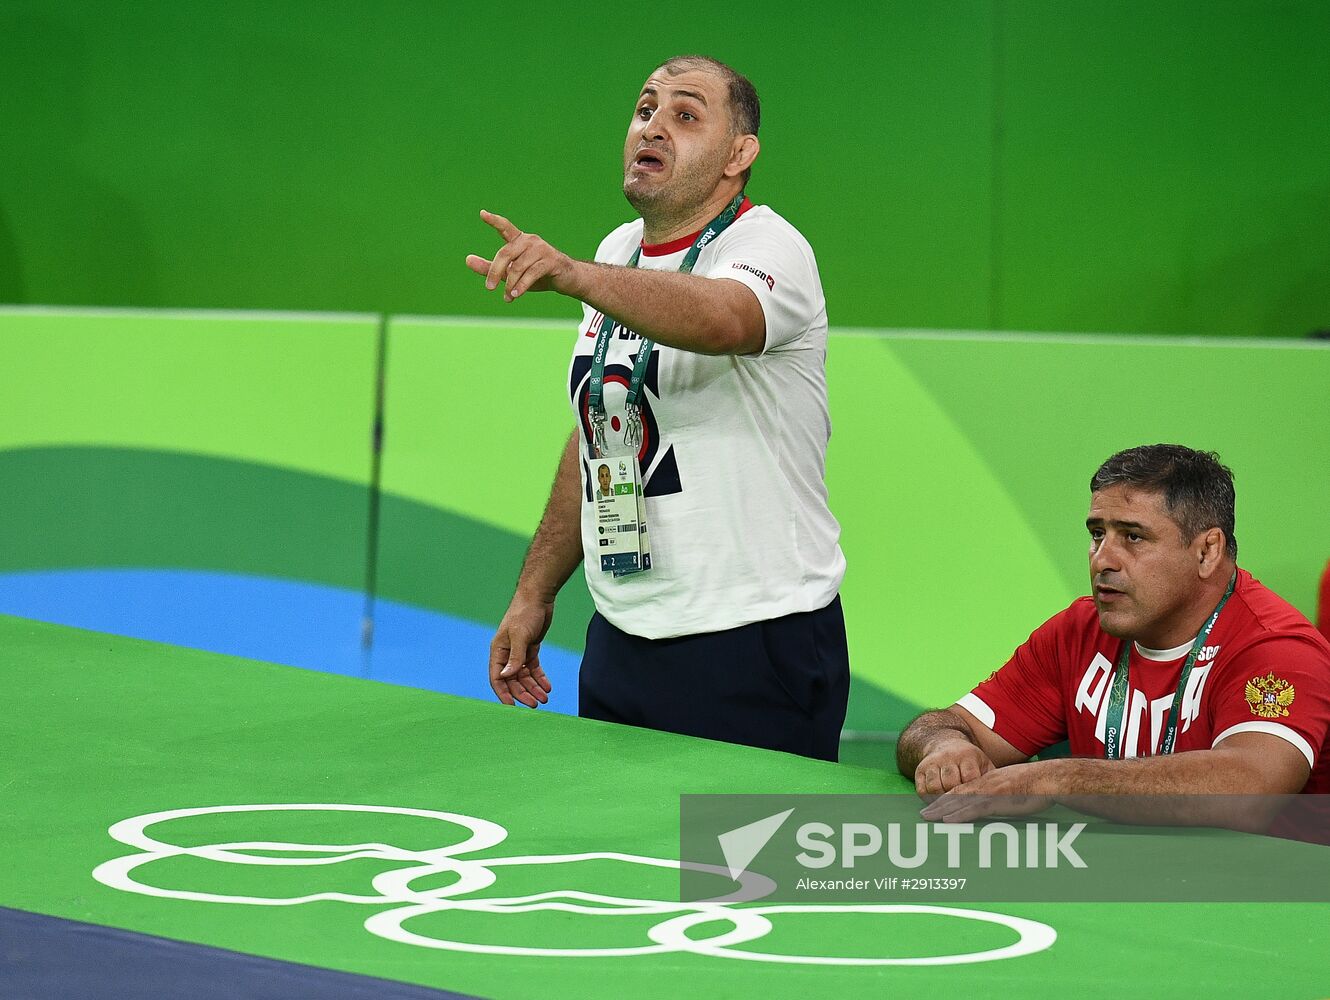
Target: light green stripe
{"type": "Point", "coordinates": [476, 417]}
{"type": "Point", "coordinates": [289, 392]}
{"type": "Point", "coordinates": [945, 576]}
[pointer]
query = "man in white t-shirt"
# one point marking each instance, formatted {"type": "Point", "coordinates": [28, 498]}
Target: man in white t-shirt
{"type": "Point", "coordinates": [735, 632]}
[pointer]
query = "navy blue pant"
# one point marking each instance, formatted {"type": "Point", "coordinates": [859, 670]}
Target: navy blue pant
{"type": "Point", "coordinates": [781, 684]}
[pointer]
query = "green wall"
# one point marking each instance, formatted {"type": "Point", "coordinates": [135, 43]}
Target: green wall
{"type": "Point", "coordinates": [959, 468]}
{"type": "Point", "coordinates": [974, 164]}
{"type": "Point", "coordinates": [958, 465]}
{"type": "Point", "coordinates": [288, 391]}
{"type": "Point", "coordinates": [221, 441]}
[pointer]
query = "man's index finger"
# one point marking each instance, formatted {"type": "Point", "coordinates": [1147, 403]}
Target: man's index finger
{"type": "Point", "coordinates": [506, 229]}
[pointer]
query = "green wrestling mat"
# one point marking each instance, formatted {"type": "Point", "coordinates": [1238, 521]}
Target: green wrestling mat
{"type": "Point", "coordinates": [492, 851]}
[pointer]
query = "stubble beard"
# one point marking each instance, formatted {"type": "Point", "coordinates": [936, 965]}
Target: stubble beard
{"type": "Point", "coordinates": [674, 202]}
{"type": "Point", "coordinates": [1116, 629]}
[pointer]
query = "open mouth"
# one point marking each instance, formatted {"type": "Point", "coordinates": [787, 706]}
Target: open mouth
{"type": "Point", "coordinates": [648, 162]}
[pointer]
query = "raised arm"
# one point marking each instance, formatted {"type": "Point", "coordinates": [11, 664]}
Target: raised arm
{"type": "Point", "coordinates": [555, 552]}
{"type": "Point", "coordinates": [686, 311]}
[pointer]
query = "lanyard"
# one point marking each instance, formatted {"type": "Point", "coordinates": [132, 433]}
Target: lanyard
{"type": "Point", "coordinates": [632, 435]}
{"type": "Point", "coordinates": [1117, 699]}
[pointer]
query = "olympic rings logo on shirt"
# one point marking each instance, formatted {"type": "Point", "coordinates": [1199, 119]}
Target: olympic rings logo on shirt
{"type": "Point", "coordinates": [746, 924]}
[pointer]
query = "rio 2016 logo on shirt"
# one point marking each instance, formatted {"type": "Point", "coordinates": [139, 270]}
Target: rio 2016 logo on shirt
{"type": "Point", "coordinates": [660, 471]}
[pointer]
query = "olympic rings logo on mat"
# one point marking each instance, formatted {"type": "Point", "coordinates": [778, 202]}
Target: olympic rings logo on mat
{"type": "Point", "coordinates": [473, 875]}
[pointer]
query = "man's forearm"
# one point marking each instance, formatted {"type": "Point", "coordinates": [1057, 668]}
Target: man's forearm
{"type": "Point", "coordinates": [556, 549]}
{"type": "Point", "coordinates": [1194, 788]}
{"type": "Point", "coordinates": [685, 311]}
{"type": "Point", "coordinates": [924, 733]}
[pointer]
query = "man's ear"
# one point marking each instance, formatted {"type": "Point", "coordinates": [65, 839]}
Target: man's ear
{"type": "Point", "coordinates": [743, 151]}
{"type": "Point", "coordinates": [1210, 548]}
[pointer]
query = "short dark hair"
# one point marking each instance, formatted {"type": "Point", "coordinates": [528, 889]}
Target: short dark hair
{"type": "Point", "coordinates": [745, 108]}
{"type": "Point", "coordinates": [1197, 487]}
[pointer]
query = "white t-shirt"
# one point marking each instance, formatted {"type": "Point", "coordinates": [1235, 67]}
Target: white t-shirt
{"type": "Point", "coordinates": [734, 448]}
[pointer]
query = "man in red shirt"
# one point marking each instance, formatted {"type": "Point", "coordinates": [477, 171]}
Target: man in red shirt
{"type": "Point", "coordinates": [1181, 675]}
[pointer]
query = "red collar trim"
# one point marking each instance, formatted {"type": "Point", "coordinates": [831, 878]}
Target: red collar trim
{"type": "Point", "coordinates": [684, 242]}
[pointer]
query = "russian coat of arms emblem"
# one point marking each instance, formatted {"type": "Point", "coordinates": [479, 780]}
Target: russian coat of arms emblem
{"type": "Point", "coordinates": [1269, 697]}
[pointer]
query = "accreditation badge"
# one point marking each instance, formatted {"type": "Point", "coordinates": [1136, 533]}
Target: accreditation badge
{"type": "Point", "coordinates": [616, 489]}
{"type": "Point", "coordinates": [643, 538]}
